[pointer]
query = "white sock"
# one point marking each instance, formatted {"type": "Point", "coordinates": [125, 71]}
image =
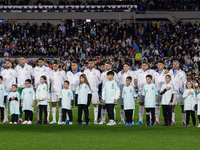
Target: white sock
{"type": "Point", "coordinates": [157, 113]}
{"type": "Point", "coordinates": [6, 113]}
{"type": "Point", "coordinates": [133, 115]}
{"type": "Point", "coordinates": [141, 112]}
{"type": "Point", "coordinates": [122, 114]}
{"type": "Point", "coordinates": [48, 111]}
{"type": "Point", "coordinates": [67, 117]}
{"type": "Point", "coordinates": [183, 116]}
{"type": "Point", "coordinates": [60, 113]}
{"type": "Point", "coordinates": [114, 114]}
{"type": "Point", "coordinates": [54, 113]}
{"type": "Point", "coordinates": [38, 114]}
{"type": "Point", "coordinates": [173, 116]}
{"type": "Point", "coordinates": [95, 113]}
{"type": "Point", "coordinates": [103, 113]}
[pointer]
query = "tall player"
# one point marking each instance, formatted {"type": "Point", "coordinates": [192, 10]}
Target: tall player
{"type": "Point", "coordinates": [24, 71]}
{"type": "Point", "coordinates": [9, 78]}
{"type": "Point", "coordinates": [179, 81]}
{"type": "Point", "coordinates": [141, 81]}
{"type": "Point", "coordinates": [93, 76]}
{"type": "Point", "coordinates": [159, 80]}
{"type": "Point", "coordinates": [108, 67]}
{"type": "Point", "coordinates": [122, 75]}
{"type": "Point", "coordinates": [39, 71]}
{"type": "Point", "coordinates": [57, 79]}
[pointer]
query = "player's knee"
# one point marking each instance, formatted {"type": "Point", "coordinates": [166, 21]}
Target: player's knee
{"type": "Point", "coordinates": [95, 105]}
{"type": "Point", "coordinates": [122, 106]}
{"type": "Point", "coordinates": [141, 104]}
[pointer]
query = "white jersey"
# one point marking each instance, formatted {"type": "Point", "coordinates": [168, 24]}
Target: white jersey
{"type": "Point", "coordinates": [74, 79]}
{"type": "Point", "coordinates": [57, 79]}
{"type": "Point", "coordinates": [9, 78]}
{"type": "Point", "coordinates": [40, 71]}
{"type": "Point", "coordinates": [141, 77]}
{"type": "Point", "coordinates": [23, 74]}
{"type": "Point", "coordinates": [159, 79]}
{"type": "Point", "coordinates": [93, 78]}
{"type": "Point", "coordinates": [104, 77]}
{"type": "Point", "coordinates": [122, 77]}
{"type": "Point", "coordinates": [178, 80]}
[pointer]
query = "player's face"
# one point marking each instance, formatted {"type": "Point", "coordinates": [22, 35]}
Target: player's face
{"type": "Point", "coordinates": [27, 84]}
{"type": "Point", "coordinates": [1, 81]}
{"type": "Point", "coordinates": [110, 77]}
{"type": "Point", "coordinates": [126, 68]}
{"type": "Point", "coordinates": [167, 79]}
{"type": "Point", "coordinates": [40, 63]}
{"type": "Point", "coordinates": [175, 65]}
{"type": "Point", "coordinates": [42, 80]}
{"type": "Point", "coordinates": [144, 67]}
{"type": "Point", "coordinates": [22, 61]}
{"type": "Point", "coordinates": [66, 85]}
{"type": "Point", "coordinates": [90, 64]}
{"type": "Point", "coordinates": [148, 80]}
{"type": "Point", "coordinates": [108, 67]}
{"type": "Point", "coordinates": [101, 68]}
{"type": "Point", "coordinates": [82, 80]}
{"type": "Point", "coordinates": [55, 67]}
{"type": "Point", "coordinates": [189, 85]}
{"type": "Point", "coordinates": [7, 64]}
{"type": "Point", "coordinates": [128, 82]}
{"type": "Point", "coordinates": [74, 66]}
{"type": "Point", "coordinates": [14, 88]}
{"type": "Point", "coordinates": [160, 66]}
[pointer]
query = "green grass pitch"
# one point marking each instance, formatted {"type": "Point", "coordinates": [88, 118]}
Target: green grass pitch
{"type": "Point", "coordinates": [100, 136]}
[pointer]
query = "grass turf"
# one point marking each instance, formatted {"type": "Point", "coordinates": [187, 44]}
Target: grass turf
{"type": "Point", "coordinates": [99, 136]}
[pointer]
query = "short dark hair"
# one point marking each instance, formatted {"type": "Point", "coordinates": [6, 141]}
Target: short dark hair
{"type": "Point", "coordinates": [42, 59]}
{"type": "Point", "coordinates": [129, 78]}
{"type": "Point", "coordinates": [108, 62]}
{"type": "Point", "coordinates": [91, 60]}
{"type": "Point", "coordinates": [149, 76]}
{"type": "Point", "coordinates": [161, 62]}
{"type": "Point", "coordinates": [110, 73]}
{"type": "Point", "coordinates": [126, 63]}
{"type": "Point", "coordinates": [168, 76]}
{"type": "Point", "coordinates": [8, 60]}
{"type": "Point", "coordinates": [100, 64]}
{"type": "Point", "coordinates": [66, 81]}
{"type": "Point", "coordinates": [144, 62]}
{"type": "Point", "coordinates": [55, 62]}
{"type": "Point", "coordinates": [1, 77]}
{"type": "Point", "coordinates": [15, 85]}
{"type": "Point", "coordinates": [74, 62]}
{"type": "Point", "coordinates": [23, 57]}
{"type": "Point", "coordinates": [28, 80]}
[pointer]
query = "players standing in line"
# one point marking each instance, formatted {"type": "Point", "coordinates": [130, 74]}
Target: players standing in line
{"type": "Point", "coordinates": [9, 78]}
{"type": "Point", "coordinates": [93, 76]}
{"type": "Point", "coordinates": [122, 75]}
{"type": "Point", "coordinates": [159, 80]}
{"type": "Point", "coordinates": [141, 81]}
{"type": "Point", "coordinates": [178, 81]}
{"type": "Point", "coordinates": [39, 71]}
{"type": "Point", "coordinates": [108, 67]}
{"type": "Point", "coordinates": [24, 71]}
{"type": "Point", "coordinates": [57, 79]}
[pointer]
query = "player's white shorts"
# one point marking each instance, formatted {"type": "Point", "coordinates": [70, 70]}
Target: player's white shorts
{"type": "Point", "coordinates": [158, 99]}
{"type": "Point", "coordinates": [55, 96]}
{"type": "Point", "coordinates": [95, 98]}
{"type": "Point", "coordinates": [178, 98]}
{"type": "Point", "coordinates": [140, 98]}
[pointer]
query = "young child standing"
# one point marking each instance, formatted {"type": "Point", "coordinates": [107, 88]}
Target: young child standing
{"type": "Point", "coordinates": [3, 97]}
{"type": "Point", "coordinates": [128, 94]}
{"type": "Point", "coordinates": [14, 98]}
{"type": "Point", "coordinates": [110, 95]}
{"type": "Point", "coordinates": [66, 101]}
{"type": "Point", "coordinates": [150, 93]}
{"type": "Point", "coordinates": [189, 96]}
{"type": "Point", "coordinates": [83, 98]}
{"type": "Point", "coordinates": [167, 92]}
{"type": "Point", "coordinates": [28, 102]}
{"type": "Point", "coordinates": [42, 98]}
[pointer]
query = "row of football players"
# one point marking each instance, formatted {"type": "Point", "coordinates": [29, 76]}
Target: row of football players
{"type": "Point", "coordinates": [56, 77]}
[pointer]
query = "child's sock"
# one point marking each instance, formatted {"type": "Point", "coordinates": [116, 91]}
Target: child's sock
{"type": "Point", "coordinates": [54, 113]}
{"type": "Point", "coordinates": [183, 116]}
{"type": "Point", "coordinates": [173, 116]}
{"type": "Point", "coordinates": [95, 113]}
{"type": "Point", "coordinates": [122, 115]}
{"type": "Point", "coordinates": [38, 114]}
{"type": "Point", "coordinates": [48, 111]}
{"type": "Point", "coordinates": [133, 115]}
{"type": "Point", "coordinates": [114, 114]}
{"type": "Point", "coordinates": [157, 113]}
{"type": "Point", "coordinates": [103, 113]}
{"type": "Point", "coordinates": [60, 113]}
{"type": "Point", "coordinates": [141, 112]}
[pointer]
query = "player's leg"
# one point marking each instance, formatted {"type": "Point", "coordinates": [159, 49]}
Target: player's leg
{"type": "Point", "coordinates": [40, 114]}
{"type": "Point", "coordinates": [141, 109]}
{"type": "Point", "coordinates": [199, 121]}
{"type": "Point", "coordinates": [63, 115]}
{"type": "Point", "coordinates": [103, 114]}
{"type": "Point", "coordinates": [37, 115]}
{"type": "Point", "coordinates": [54, 102]}
{"type": "Point", "coordinates": [169, 114]}
{"type": "Point", "coordinates": [147, 117]}
{"type": "Point", "coordinates": [173, 109]}
{"type": "Point", "coordinates": [153, 115]}
{"type": "Point", "coordinates": [187, 118]}
{"type": "Point", "coordinates": [157, 109]}
{"type": "Point", "coordinates": [26, 117]}
{"type": "Point", "coordinates": [20, 89]}
{"type": "Point", "coordinates": [181, 103]}
{"type": "Point", "coordinates": [30, 117]}
{"type": "Point", "coordinates": [60, 112]}
{"type": "Point", "coordinates": [165, 115]}
{"type": "Point", "coordinates": [95, 101]}
{"type": "Point", "coordinates": [6, 113]}
{"type": "Point", "coordinates": [69, 112]}
{"type": "Point", "coordinates": [133, 114]}
{"type": "Point", "coordinates": [193, 118]}
{"type": "Point", "coordinates": [80, 110]}
{"type": "Point", "coordinates": [45, 114]}
{"type": "Point", "coordinates": [2, 114]}
{"type": "Point", "coordinates": [86, 110]}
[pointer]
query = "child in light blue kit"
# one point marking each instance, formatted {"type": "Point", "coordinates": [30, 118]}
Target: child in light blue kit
{"type": "Point", "coordinates": [3, 97]}
{"type": "Point", "coordinates": [150, 93]}
{"type": "Point", "coordinates": [128, 94]}
{"type": "Point", "coordinates": [28, 102]}
{"type": "Point", "coordinates": [14, 98]}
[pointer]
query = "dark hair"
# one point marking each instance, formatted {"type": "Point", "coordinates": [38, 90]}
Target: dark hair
{"type": "Point", "coordinates": [168, 76]}
{"type": "Point", "coordinates": [55, 62]}
{"type": "Point", "coordinates": [161, 62]}
{"type": "Point", "coordinates": [86, 80]}
{"type": "Point", "coordinates": [15, 85]}
{"type": "Point", "coordinates": [144, 62]}
{"type": "Point", "coordinates": [74, 62]}
{"type": "Point", "coordinates": [23, 57]}
{"type": "Point", "coordinates": [129, 78]}
{"type": "Point", "coordinates": [108, 62]}
{"type": "Point", "coordinates": [91, 60]}
{"type": "Point", "coordinates": [110, 73]}
{"type": "Point", "coordinates": [149, 76]}
{"type": "Point", "coordinates": [8, 60]}
{"type": "Point", "coordinates": [66, 81]}
{"type": "Point", "coordinates": [126, 63]}
{"type": "Point", "coordinates": [28, 80]}
{"type": "Point", "coordinates": [100, 64]}
{"type": "Point", "coordinates": [41, 59]}
{"type": "Point", "coordinates": [45, 78]}
{"type": "Point", "coordinates": [1, 77]}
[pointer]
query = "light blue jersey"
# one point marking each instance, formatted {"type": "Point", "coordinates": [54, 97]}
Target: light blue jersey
{"type": "Point", "coordinates": [28, 96]}
{"type": "Point", "coordinates": [14, 104]}
{"type": "Point", "coordinates": [3, 93]}
{"type": "Point", "coordinates": [67, 96]}
{"type": "Point", "coordinates": [83, 90]}
{"type": "Point", "coordinates": [110, 92]}
{"type": "Point", "coordinates": [166, 97]}
{"type": "Point", "coordinates": [42, 94]}
{"type": "Point", "coordinates": [150, 92]}
{"type": "Point", "coordinates": [128, 94]}
{"type": "Point", "coordinates": [189, 100]}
